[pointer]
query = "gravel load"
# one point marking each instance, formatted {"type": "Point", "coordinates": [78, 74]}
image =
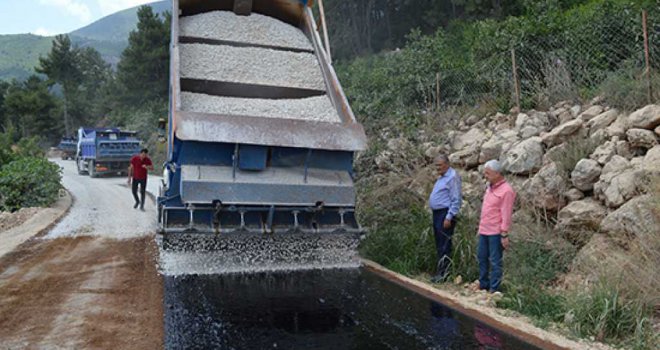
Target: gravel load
{"type": "Point", "coordinates": [253, 29]}
{"type": "Point", "coordinates": [251, 66]}
{"type": "Point", "coordinates": [317, 108]}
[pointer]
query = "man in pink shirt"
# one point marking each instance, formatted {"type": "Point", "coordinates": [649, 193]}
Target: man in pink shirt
{"type": "Point", "coordinates": [494, 226]}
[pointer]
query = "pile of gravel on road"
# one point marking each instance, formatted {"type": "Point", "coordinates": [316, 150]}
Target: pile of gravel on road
{"type": "Point", "coordinates": [251, 66]}
{"type": "Point", "coordinates": [253, 29]}
{"type": "Point", "coordinates": [317, 108]}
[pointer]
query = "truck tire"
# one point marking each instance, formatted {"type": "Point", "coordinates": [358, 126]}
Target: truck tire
{"type": "Point", "coordinates": [78, 163]}
{"type": "Point", "coordinates": [91, 166]}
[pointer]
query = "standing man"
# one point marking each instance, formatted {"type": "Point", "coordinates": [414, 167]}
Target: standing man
{"type": "Point", "coordinates": [445, 202]}
{"type": "Point", "coordinates": [494, 226]}
{"type": "Point", "coordinates": [137, 173]}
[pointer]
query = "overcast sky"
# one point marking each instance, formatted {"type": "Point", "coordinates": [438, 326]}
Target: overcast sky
{"type": "Point", "coordinates": [50, 17]}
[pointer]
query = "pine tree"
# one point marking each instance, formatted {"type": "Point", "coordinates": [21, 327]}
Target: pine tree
{"type": "Point", "coordinates": [144, 67]}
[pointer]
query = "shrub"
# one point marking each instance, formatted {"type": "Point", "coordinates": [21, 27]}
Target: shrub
{"type": "Point", "coordinates": [28, 182]}
{"type": "Point", "coordinates": [605, 313]}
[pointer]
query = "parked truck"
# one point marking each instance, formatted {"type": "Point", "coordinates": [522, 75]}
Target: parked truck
{"type": "Point", "coordinates": [105, 150]}
{"type": "Point", "coordinates": [67, 148]}
{"type": "Point", "coordinates": [261, 137]}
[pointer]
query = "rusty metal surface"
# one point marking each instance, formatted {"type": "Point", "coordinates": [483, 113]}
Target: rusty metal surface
{"type": "Point", "coordinates": [333, 87]}
{"type": "Point", "coordinates": [272, 186]}
{"type": "Point", "coordinates": [195, 40]}
{"type": "Point", "coordinates": [290, 11]}
{"type": "Point", "coordinates": [232, 89]}
{"type": "Point", "coordinates": [270, 131]}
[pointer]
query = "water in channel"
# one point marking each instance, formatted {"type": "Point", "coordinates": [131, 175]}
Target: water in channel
{"type": "Point", "coordinates": [314, 309]}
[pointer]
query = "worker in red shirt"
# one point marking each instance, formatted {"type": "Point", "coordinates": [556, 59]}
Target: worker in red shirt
{"type": "Point", "coordinates": [137, 174]}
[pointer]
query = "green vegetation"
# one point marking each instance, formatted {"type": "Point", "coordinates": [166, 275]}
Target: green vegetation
{"type": "Point", "coordinates": [27, 179]}
{"type": "Point", "coordinates": [79, 89]}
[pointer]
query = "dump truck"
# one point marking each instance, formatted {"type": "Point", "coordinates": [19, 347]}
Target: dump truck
{"type": "Point", "coordinates": [260, 135]}
{"type": "Point", "coordinates": [67, 147]}
{"type": "Point", "coordinates": [105, 151]}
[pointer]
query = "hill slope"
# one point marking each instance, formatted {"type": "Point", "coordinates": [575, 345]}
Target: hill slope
{"type": "Point", "coordinates": [19, 53]}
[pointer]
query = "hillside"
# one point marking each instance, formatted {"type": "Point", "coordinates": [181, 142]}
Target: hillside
{"type": "Point", "coordinates": [19, 53]}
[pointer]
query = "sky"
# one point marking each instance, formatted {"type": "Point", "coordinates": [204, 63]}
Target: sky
{"type": "Point", "coordinates": [51, 17]}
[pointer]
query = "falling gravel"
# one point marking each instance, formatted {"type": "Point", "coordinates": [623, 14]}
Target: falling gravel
{"type": "Point", "coordinates": [249, 65]}
{"type": "Point", "coordinates": [317, 108]}
{"type": "Point", "coordinates": [253, 29]}
{"type": "Point", "coordinates": [204, 254]}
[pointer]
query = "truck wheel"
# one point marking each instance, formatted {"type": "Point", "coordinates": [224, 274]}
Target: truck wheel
{"type": "Point", "coordinates": [78, 163]}
{"type": "Point", "coordinates": [91, 166]}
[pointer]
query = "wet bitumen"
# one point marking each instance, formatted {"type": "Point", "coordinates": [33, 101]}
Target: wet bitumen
{"type": "Point", "coordinates": [314, 309]}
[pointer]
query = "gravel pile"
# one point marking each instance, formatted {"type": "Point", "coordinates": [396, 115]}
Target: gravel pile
{"type": "Point", "coordinates": [317, 108]}
{"type": "Point", "coordinates": [251, 66]}
{"type": "Point", "coordinates": [253, 29]}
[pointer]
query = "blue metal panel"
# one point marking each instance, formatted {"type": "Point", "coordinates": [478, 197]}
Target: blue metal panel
{"type": "Point", "coordinates": [320, 159]}
{"type": "Point", "coordinates": [252, 157]}
{"type": "Point", "coordinates": [203, 153]}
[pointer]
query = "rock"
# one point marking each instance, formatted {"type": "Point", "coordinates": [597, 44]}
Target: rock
{"type": "Point", "coordinates": [431, 151]}
{"type": "Point", "coordinates": [623, 149]}
{"type": "Point", "coordinates": [532, 124]}
{"type": "Point", "coordinates": [657, 131]}
{"type": "Point", "coordinates": [466, 158]}
{"type": "Point", "coordinates": [637, 162]}
{"type": "Point", "coordinates": [599, 136]}
{"type": "Point", "coordinates": [585, 174]}
{"type": "Point", "coordinates": [472, 119]}
{"type": "Point", "coordinates": [575, 110]}
{"type": "Point", "coordinates": [398, 145]}
{"type": "Point", "coordinates": [545, 188]}
{"type": "Point", "coordinates": [603, 153]}
{"type": "Point", "coordinates": [601, 256]}
{"type": "Point", "coordinates": [641, 138]}
{"type": "Point", "coordinates": [602, 120]}
{"type": "Point", "coordinates": [525, 157]}
{"type": "Point", "coordinates": [498, 143]}
{"type": "Point", "coordinates": [652, 158]}
{"type": "Point", "coordinates": [384, 160]}
{"type": "Point", "coordinates": [617, 164]}
{"type": "Point", "coordinates": [616, 188]}
{"type": "Point", "coordinates": [473, 137]}
{"type": "Point", "coordinates": [561, 132]}
{"type": "Point", "coordinates": [564, 117]}
{"type": "Point", "coordinates": [591, 112]}
{"type": "Point", "coordinates": [619, 127]}
{"type": "Point", "coordinates": [638, 217]}
{"type": "Point", "coordinates": [554, 153]}
{"type": "Point", "coordinates": [646, 118]}
{"type": "Point", "coordinates": [573, 195]}
{"type": "Point", "coordinates": [586, 213]}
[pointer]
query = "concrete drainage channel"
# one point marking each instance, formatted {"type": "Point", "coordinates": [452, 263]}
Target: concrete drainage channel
{"type": "Point", "coordinates": [352, 308]}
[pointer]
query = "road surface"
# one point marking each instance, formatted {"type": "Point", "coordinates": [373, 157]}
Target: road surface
{"type": "Point", "coordinates": [92, 281]}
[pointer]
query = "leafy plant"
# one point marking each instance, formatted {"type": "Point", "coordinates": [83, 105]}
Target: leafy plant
{"type": "Point", "coordinates": [29, 182]}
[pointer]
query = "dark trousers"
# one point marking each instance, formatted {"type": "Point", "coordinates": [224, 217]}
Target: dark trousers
{"type": "Point", "coordinates": [143, 189]}
{"type": "Point", "coordinates": [489, 252]}
{"type": "Point", "coordinates": [442, 240]}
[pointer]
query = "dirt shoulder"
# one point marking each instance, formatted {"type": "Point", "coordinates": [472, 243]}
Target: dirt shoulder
{"type": "Point", "coordinates": [83, 292]}
{"type": "Point", "coordinates": [29, 222]}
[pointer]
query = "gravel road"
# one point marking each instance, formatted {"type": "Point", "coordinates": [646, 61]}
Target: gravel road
{"type": "Point", "coordinates": [90, 283]}
{"type": "Point", "coordinates": [103, 207]}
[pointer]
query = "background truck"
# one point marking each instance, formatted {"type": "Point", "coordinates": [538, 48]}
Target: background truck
{"type": "Point", "coordinates": [67, 147]}
{"type": "Point", "coordinates": [261, 137]}
{"type": "Point", "coordinates": [105, 150]}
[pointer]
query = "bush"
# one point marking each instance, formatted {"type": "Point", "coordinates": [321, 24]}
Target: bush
{"type": "Point", "coordinates": [606, 314]}
{"type": "Point", "coordinates": [29, 182]}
